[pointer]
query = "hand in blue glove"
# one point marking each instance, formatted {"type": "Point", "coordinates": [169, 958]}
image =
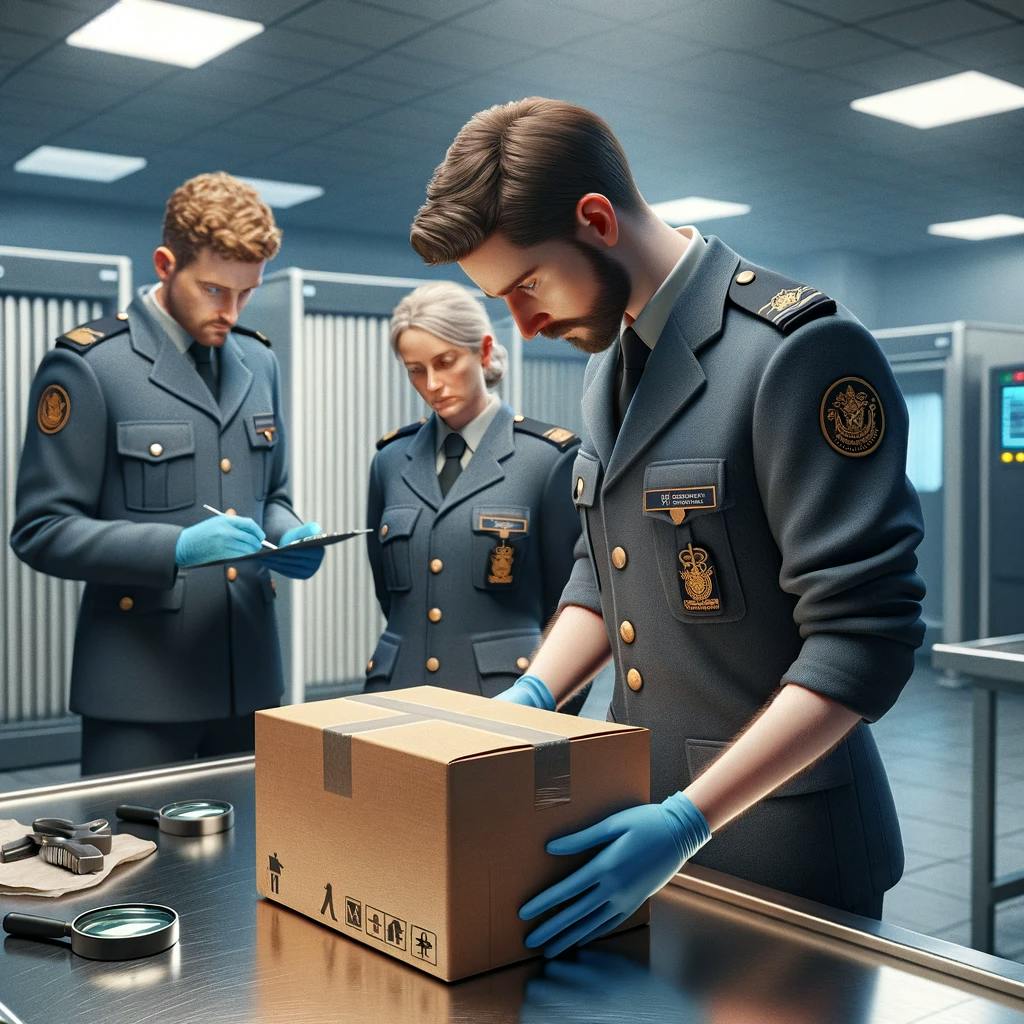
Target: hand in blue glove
{"type": "Point", "coordinates": [301, 563]}
{"type": "Point", "coordinates": [646, 846]}
{"type": "Point", "coordinates": [530, 692]}
{"type": "Point", "coordinates": [219, 537]}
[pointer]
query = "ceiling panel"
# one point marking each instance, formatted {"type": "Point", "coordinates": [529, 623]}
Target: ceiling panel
{"type": "Point", "coordinates": [936, 22]}
{"type": "Point", "coordinates": [740, 24]}
{"type": "Point", "coordinates": [298, 48]}
{"type": "Point", "coordinates": [832, 48]}
{"type": "Point", "coordinates": [356, 23]}
{"type": "Point", "coordinates": [986, 49]}
{"type": "Point", "coordinates": [533, 21]}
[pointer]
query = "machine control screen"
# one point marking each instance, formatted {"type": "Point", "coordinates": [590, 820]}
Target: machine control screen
{"type": "Point", "coordinates": [1012, 416]}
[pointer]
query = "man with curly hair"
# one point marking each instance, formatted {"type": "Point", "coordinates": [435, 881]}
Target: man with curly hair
{"type": "Point", "coordinates": [137, 421]}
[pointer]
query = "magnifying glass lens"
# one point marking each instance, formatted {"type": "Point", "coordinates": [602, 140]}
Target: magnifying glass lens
{"type": "Point", "coordinates": [194, 810]}
{"type": "Point", "coordinates": [124, 922]}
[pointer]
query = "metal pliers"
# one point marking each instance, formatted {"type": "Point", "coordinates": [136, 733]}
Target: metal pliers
{"type": "Point", "coordinates": [78, 847]}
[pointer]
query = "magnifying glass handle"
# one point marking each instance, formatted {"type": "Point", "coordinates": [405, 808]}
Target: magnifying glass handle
{"type": "Point", "coordinates": [27, 926]}
{"type": "Point", "coordinates": [146, 815]}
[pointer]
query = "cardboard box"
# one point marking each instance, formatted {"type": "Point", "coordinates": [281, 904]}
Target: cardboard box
{"type": "Point", "coordinates": [415, 821]}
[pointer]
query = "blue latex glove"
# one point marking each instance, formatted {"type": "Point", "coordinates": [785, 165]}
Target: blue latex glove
{"type": "Point", "coordinates": [218, 537]}
{"type": "Point", "coordinates": [299, 564]}
{"type": "Point", "coordinates": [530, 692]}
{"type": "Point", "coordinates": [644, 847]}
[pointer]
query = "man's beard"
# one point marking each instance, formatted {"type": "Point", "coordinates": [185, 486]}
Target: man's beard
{"type": "Point", "coordinates": [604, 321]}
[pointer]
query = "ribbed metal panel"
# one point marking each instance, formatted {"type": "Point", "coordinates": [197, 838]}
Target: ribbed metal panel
{"type": "Point", "coordinates": [348, 390]}
{"type": "Point", "coordinates": [37, 623]}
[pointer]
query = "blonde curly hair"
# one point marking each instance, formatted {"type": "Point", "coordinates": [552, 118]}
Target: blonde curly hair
{"type": "Point", "coordinates": [219, 211]}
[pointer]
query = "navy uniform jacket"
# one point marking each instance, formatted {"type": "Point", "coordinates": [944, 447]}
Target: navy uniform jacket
{"type": "Point", "coordinates": [465, 607]}
{"type": "Point", "coordinates": [751, 524]}
{"type": "Point", "coordinates": [124, 446]}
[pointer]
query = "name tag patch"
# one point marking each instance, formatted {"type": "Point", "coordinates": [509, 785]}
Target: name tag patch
{"type": "Point", "coordinates": [675, 502]}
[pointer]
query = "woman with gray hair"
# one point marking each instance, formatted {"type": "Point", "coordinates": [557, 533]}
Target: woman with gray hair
{"type": "Point", "coordinates": [471, 510]}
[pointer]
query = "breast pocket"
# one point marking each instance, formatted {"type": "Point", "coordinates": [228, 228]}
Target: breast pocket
{"type": "Point", "coordinates": [263, 439]}
{"type": "Point", "coordinates": [501, 546]}
{"type": "Point", "coordinates": [586, 478]}
{"type": "Point", "coordinates": [158, 464]}
{"type": "Point", "coordinates": [395, 535]}
{"type": "Point", "coordinates": [685, 503]}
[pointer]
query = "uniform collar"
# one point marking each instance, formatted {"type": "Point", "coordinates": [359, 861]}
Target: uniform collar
{"type": "Point", "coordinates": [473, 432]}
{"type": "Point", "coordinates": [654, 316]}
{"type": "Point", "coordinates": [181, 338]}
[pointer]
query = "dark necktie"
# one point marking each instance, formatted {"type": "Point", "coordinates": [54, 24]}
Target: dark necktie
{"type": "Point", "coordinates": [454, 446]}
{"type": "Point", "coordinates": [202, 355]}
{"type": "Point", "coordinates": [634, 358]}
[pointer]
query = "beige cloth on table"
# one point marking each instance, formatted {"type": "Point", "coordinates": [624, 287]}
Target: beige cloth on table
{"type": "Point", "coordinates": [34, 877]}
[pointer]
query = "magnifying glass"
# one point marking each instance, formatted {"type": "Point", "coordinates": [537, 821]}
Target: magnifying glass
{"type": "Point", "coordinates": [123, 931]}
{"type": "Point", "coordinates": [184, 817]}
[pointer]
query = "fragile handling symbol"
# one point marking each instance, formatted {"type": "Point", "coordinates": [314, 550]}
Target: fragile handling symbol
{"type": "Point", "coordinates": [353, 912]}
{"type": "Point", "coordinates": [424, 944]}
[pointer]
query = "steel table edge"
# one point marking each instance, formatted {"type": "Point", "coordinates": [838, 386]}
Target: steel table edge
{"type": "Point", "coordinates": [947, 958]}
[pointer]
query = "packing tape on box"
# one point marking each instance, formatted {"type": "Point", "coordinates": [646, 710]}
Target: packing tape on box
{"type": "Point", "coordinates": [550, 751]}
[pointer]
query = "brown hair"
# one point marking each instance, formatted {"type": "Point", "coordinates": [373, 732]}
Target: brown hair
{"type": "Point", "coordinates": [219, 211]}
{"type": "Point", "coordinates": [520, 169]}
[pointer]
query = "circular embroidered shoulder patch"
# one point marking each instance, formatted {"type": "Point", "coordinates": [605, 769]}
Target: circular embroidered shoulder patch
{"type": "Point", "coordinates": [852, 418]}
{"type": "Point", "coordinates": [54, 409]}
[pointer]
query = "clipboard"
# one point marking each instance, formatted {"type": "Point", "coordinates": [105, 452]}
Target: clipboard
{"type": "Point", "coordinates": [321, 540]}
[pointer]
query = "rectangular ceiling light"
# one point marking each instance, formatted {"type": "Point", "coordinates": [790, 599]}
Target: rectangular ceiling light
{"type": "Point", "coordinates": [152, 30]}
{"type": "Point", "coordinates": [998, 225]}
{"type": "Point", "coordinates": [694, 209]}
{"type": "Point", "coordinates": [79, 163]}
{"type": "Point", "coordinates": [960, 97]}
{"type": "Point", "coordinates": [282, 194]}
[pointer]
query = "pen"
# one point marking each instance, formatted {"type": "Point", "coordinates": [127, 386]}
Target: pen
{"type": "Point", "coordinates": [217, 512]}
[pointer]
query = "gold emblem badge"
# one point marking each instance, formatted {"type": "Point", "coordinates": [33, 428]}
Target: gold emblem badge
{"type": "Point", "coordinates": [558, 434]}
{"type": "Point", "coordinates": [501, 564]}
{"type": "Point", "coordinates": [85, 335]}
{"type": "Point", "coordinates": [698, 581]}
{"type": "Point", "coordinates": [851, 417]}
{"type": "Point", "coordinates": [54, 409]}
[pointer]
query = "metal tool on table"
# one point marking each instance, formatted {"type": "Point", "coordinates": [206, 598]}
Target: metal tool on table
{"type": "Point", "coordinates": [184, 817]}
{"type": "Point", "coordinates": [123, 931]}
{"type": "Point", "coordinates": [78, 847]}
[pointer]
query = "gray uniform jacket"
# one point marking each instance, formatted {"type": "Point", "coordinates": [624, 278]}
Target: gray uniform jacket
{"type": "Point", "coordinates": [752, 523]}
{"type": "Point", "coordinates": [462, 611]}
{"type": "Point", "coordinates": [103, 496]}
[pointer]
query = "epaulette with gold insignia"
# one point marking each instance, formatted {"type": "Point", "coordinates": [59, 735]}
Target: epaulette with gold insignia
{"type": "Point", "coordinates": [558, 436]}
{"type": "Point", "coordinates": [81, 339]}
{"type": "Point", "coordinates": [783, 303]}
{"type": "Point", "coordinates": [258, 335]}
{"type": "Point", "coordinates": [393, 435]}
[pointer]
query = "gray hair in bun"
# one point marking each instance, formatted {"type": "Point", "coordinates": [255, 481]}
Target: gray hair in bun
{"type": "Point", "coordinates": [451, 313]}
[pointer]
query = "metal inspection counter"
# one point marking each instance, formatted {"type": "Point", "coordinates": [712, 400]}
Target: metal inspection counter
{"type": "Point", "coordinates": [990, 665]}
{"type": "Point", "coordinates": [717, 950]}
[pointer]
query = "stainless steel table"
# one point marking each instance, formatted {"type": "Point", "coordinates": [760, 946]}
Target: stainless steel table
{"type": "Point", "coordinates": [991, 665]}
{"type": "Point", "coordinates": [717, 950]}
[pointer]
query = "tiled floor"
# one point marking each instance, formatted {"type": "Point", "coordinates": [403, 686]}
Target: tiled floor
{"type": "Point", "coordinates": [925, 742]}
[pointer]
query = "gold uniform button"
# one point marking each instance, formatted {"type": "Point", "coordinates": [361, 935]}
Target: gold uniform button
{"type": "Point", "coordinates": [619, 558]}
{"type": "Point", "coordinates": [522, 664]}
{"type": "Point", "coordinates": [634, 679]}
{"type": "Point", "coordinates": [518, 418]}
{"type": "Point", "coordinates": [232, 574]}
{"type": "Point", "coordinates": [231, 512]}
{"type": "Point", "coordinates": [126, 604]}
{"type": "Point", "coordinates": [369, 665]}
{"type": "Point", "coordinates": [627, 632]}
{"type": "Point", "coordinates": [122, 316]}
{"type": "Point", "coordinates": [433, 664]}
{"type": "Point", "coordinates": [434, 615]}
{"type": "Point", "coordinates": [436, 565]}
{"type": "Point", "coordinates": [384, 530]}
{"type": "Point", "coordinates": [579, 488]}
{"type": "Point", "coordinates": [156, 449]}
{"type": "Point", "coordinates": [225, 465]}
{"type": "Point", "coordinates": [746, 277]}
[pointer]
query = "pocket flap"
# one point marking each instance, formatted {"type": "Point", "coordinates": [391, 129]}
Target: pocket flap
{"type": "Point", "coordinates": [493, 520]}
{"type": "Point", "coordinates": [397, 521]}
{"type": "Point", "coordinates": [155, 441]}
{"type": "Point", "coordinates": [262, 429]}
{"type": "Point", "coordinates": [138, 600]}
{"type": "Point", "coordinates": [832, 770]}
{"type": "Point", "coordinates": [676, 490]}
{"type": "Point", "coordinates": [586, 476]}
{"type": "Point", "coordinates": [381, 665]}
{"type": "Point", "coordinates": [497, 654]}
